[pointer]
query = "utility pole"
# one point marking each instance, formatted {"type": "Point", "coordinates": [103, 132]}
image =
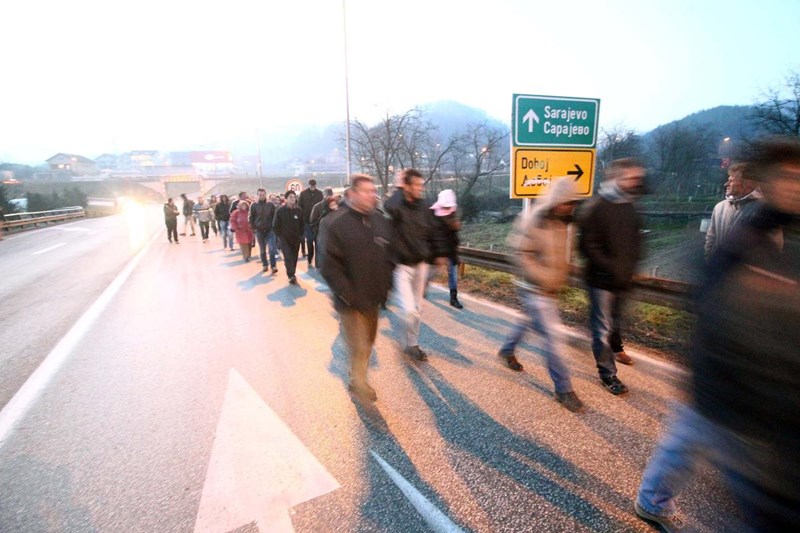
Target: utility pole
{"type": "Point", "coordinates": [346, 91]}
{"type": "Point", "coordinates": [260, 175]}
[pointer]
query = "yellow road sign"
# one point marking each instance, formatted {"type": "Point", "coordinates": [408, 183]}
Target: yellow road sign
{"type": "Point", "coordinates": [533, 169]}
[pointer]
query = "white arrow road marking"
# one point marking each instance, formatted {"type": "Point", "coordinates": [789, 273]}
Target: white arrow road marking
{"type": "Point", "coordinates": [59, 245]}
{"type": "Point", "coordinates": [435, 519]}
{"type": "Point", "coordinates": [258, 468]}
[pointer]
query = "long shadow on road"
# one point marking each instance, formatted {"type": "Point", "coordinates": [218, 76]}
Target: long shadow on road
{"type": "Point", "coordinates": [542, 472]}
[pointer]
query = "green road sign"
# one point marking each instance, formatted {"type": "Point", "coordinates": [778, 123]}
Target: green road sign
{"type": "Point", "coordinates": [555, 121]}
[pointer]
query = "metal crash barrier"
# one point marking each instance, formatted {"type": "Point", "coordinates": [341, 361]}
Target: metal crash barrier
{"type": "Point", "coordinates": [34, 218]}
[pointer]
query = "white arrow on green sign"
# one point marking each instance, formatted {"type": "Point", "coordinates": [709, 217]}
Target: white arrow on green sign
{"type": "Point", "coordinates": [555, 121]}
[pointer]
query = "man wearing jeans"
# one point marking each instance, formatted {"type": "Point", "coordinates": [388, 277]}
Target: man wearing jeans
{"type": "Point", "coordinates": [412, 221]}
{"type": "Point", "coordinates": [744, 411]}
{"type": "Point", "coordinates": [611, 242]}
{"type": "Point", "coordinates": [262, 215]}
{"type": "Point", "coordinates": [541, 241]}
{"type": "Point", "coordinates": [357, 265]}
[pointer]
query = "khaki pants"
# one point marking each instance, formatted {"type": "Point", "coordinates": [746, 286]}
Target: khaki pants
{"type": "Point", "coordinates": [359, 329]}
{"type": "Point", "coordinates": [246, 248]}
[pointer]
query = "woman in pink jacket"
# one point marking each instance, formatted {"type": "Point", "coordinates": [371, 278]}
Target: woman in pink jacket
{"type": "Point", "coordinates": [241, 228]}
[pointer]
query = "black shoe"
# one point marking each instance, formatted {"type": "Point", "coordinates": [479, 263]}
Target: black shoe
{"type": "Point", "coordinates": [614, 385]}
{"type": "Point", "coordinates": [183, 235]}
{"type": "Point", "coordinates": [274, 270]}
{"type": "Point", "coordinates": [668, 524]}
{"type": "Point", "coordinates": [511, 360]}
{"type": "Point", "coordinates": [293, 280]}
{"type": "Point", "coordinates": [454, 300]}
{"type": "Point", "coordinates": [570, 400]}
{"type": "Point", "coordinates": [170, 241]}
{"type": "Point", "coordinates": [416, 353]}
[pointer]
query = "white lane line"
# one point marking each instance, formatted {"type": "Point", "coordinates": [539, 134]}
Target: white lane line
{"type": "Point", "coordinates": [435, 519]}
{"type": "Point", "coordinates": [59, 245]}
{"type": "Point", "coordinates": [16, 409]}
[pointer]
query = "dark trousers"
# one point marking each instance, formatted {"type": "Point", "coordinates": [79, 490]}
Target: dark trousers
{"type": "Point", "coordinates": [290, 251]}
{"type": "Point", "coordinates": [204, 230]}
{"type": "Point", "coordinates": [172, 229]}
{"type": "Point", "coordinates": [308, 236]}
{"type": "Point", "coordinates": [264, 242]}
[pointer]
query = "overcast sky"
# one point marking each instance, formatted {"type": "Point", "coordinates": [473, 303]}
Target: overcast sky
{"type": "Point", "coordinates": [88, 76]}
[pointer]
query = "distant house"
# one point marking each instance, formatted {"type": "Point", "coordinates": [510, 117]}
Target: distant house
{"type": "Point", "coordinates": [77, 165]}
{"type": "Point", "coordinates": [106, 162]}
{"type": "Point", "coordinates": [205, 162]}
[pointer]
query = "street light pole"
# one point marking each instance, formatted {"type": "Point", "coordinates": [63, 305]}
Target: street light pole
{"type": "Point", "coordinates": [260, 175]}
{"type": "Point", "coordinates": [346, 91]}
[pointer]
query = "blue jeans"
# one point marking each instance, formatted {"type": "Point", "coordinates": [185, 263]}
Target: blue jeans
{"type": "Point", "coordinates": [543, 318]}
{"type": "Point", "coordinates": [605, 310]}
{"type": "Point", "coordinates": [266, 239]}
{"type": "Point", "coordinates": [308, 236]}
{"type": "Point", "coordinates": [452, 274]}
{"type": "Point", "coordinates": [227, 238]}
{"type": "Point", "coordinates": [762, 476]}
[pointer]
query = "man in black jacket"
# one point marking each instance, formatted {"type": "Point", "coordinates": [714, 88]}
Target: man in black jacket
{"type": "Point", "coordinates": [611, 242]}
{"type": "Point", "coordinates": [171, 219]}
{"type": "Point", "coordinates": [413, 223]}
{"type": "Point", "coordinates": [308, 199]}
{"type": "Point", "coordinates": [262, 213]}
{"type": "Point", "coordinates": [357, 264]}
{"type": "Point", "coordinates": [744, 413]}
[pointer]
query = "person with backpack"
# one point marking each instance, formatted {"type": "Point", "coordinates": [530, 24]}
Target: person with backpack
{"type": "Point", "coordinates": [541, 240]}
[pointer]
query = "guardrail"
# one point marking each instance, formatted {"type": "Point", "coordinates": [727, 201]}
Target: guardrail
{"type": "Point", "coordinates": [19, 220]}
{"type": "Point", "coordinates": [657, 291]}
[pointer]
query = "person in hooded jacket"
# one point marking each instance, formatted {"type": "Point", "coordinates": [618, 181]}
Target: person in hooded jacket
{"type": "Point", "coordinates": [444, 240]}
{"type": "Point", "coordinates": [222, 213]}
{"type": "Point", "coordinates": [288, 226]}
{"type": "Point", "coordinates": [542, 240]}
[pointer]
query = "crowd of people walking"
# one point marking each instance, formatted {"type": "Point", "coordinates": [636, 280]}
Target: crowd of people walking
{"type": "Point", "coordinates": [743, 415]}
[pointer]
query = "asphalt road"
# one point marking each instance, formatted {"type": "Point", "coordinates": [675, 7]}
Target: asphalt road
{"type": "Point", "coordinates": [205, 389]}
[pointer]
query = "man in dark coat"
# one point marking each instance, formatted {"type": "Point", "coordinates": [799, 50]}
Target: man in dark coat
{"type": "Point", "coordinates": [288, 227]}
{"type": "Point", "coordinates": [171, 219]}
{"type": "Point", "coordinates": [744, 411]}
{"type": "Point", "coordinates": [357, 264]}
{"type": "Point", "coordinates": [412, 221]}
{"type": "Point", "coordinates": [308, 199]}
{"type": "Point", "coordinates": [262, 214]}
{"type": "Point", "coordinates": [611, 242]}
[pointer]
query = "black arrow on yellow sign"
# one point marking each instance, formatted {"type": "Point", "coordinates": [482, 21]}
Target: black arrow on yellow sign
{"type": "Point", "coordinates": [577, 173]}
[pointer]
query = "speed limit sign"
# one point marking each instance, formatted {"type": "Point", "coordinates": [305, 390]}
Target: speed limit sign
{"type": "Point", "coordinates": [294, 185]}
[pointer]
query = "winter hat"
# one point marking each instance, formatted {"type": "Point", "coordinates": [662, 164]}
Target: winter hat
{"type": "Point", "coordinates": [445, 203]}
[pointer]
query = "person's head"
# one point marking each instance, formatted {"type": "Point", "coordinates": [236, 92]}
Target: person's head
{"type": "Point", "coordinates": [291, 198]}
{"type": "Point", "coordinates": [183, 196]}
{"type": "Point", "coordinates": [312, 184]}
{"type": "Point", "coordinates": [212, 198]}
{"type": "Point", "coordinates": [628, 174]}
{"type": "Point", "coordinates": [332, 201]}
{"type": "Point", "coordinates": [327, 192]}
{"type": "Point", "coordinates": [223, 198]}
{"type": "Point", "coordinates": [774, 164]}
{"type": "Point", "coordinates": [737, 185]}
{"type": "Point", "coordinates": [262, 194]}
{"type": "Point", "coordinates": [170, 201]}
{"type": "Point", "coordinates": [413, 184]}
{"type": "Point", "coordinates": [199, 199]}
{"type": "Point", "coordinates": [362, 193]}
{"type": "Point", "coordinates": [243, 195]}
{"type": "Point", "coordinates": [445, 203]}
{"type": "Point", "coordinates": [242, 206]}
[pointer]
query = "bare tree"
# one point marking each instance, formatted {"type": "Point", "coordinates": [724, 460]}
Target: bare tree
{"type": "Point", "coordinates": [616, 142]}
{"type": "Point", "coordinates": [481, 151]}
{"type": "Point", "coordinates": [682, 153]}
{"type": "Point", "coordinates": [377, 148]}
{"type": "Point", "coordinates": [778, 110]}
